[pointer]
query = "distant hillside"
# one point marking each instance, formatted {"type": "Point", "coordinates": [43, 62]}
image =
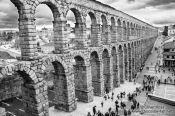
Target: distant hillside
{"type": "Point", "coordinates": [5, 55]}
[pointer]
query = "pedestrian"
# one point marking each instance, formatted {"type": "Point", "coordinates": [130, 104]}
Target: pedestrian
{"type": "Point", "coordinates": [116, 107]}
{"type": "Point", "coordinates": [134, 81]}
{"type": "Point", "coordinates": [116, 102]}
{"type": "Point", "coordinates": [125, 112]}
{"type": "Point", "coordinates": [112, 93]}
{"type": "Point", "coordinates": [89, 114]}
{"type": "Point", "coordinates": [105, 97]}
{"type": "Point", "coordinates": [102, 104]}
{"type": "Point", "coordinates": [112, 113]}
{"type": "Point", "coordinates": [138, 104]}
{"type": "Point", "coordinates": [94, 110]}
{"type": "Point", "coordinates": [129, 112]}
{"type": "Point", "coordinates": [118, 96]}
{"type": "Point", "coordinates": [108, 97]}
{"type": "Point", "coordinates": [124, 94]}
{"type": "Point", "coordinates": [99, 113]}
{"type": "Point", "coordinates": [110, 110]}
{"type": "Point", "coordinates": [121, 104]}
{"type": "Point", "coordinates": [107, 91]}
{"type": "Point", "coordinates": [106, 114]}
{"type": "Point", "coordinates": [132, 107]}
{"type": "Point", "coordinates": [112, 98]}
{"type": "Point", "coordinates": [121, 94]}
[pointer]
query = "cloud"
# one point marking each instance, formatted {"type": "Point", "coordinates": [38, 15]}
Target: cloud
{"type": "Point", "coordinates": [159, 2]}
{"type": "Point", "coordinates": [156, 12]}
{"type": "Point", "coordinates": [167, 6]}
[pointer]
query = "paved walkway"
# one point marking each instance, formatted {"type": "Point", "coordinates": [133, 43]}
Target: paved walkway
{"type": "Point", "coordinates": [154, 108]}
{"type": "Point", "coordinates": [84, 108]}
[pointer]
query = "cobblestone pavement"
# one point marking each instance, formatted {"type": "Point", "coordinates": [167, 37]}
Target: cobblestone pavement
{"type": "Point", "coordinates": [84, 108]}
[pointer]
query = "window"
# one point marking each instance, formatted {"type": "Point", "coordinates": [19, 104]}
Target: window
{"type": "Point", "coordinates": [166, 50]}
{"type": "Point", "coordinates": [172, 57]}
{"type": "Point", "coordinates": [168, 57]}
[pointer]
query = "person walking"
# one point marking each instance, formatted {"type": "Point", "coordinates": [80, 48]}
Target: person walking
{"type": "Point", "coordinates": [102, 104]}
{"type": "Point", "coordinates": [125, 112]}
{"type": "Point", "coordinates": [129, 112]}
{"type": "Point", "coordinates": [89, 114]}
{"type": "Point", "coordinates": [94, 110]}
{"type": "Point", "coordinates": [116, 108]}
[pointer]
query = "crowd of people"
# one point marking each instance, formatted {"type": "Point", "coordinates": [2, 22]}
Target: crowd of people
{"type": "Point", "coordinates": [118, 100]}
{"type": "Point", "coordinates": [148, 83]}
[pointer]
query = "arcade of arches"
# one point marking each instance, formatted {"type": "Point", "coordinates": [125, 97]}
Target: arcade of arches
{"type": "Point", "coordinates": [119, 46]}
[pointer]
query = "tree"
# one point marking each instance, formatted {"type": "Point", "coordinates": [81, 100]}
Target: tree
{"type": "Point", "coordinates": [165, 32]}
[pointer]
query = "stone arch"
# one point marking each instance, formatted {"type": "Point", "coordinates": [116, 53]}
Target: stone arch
{"type": "Point", "coordinates": [105, 29]}
{"type": "Point", "coordinates": [121, 63]}
{"type": "Point", "coordinates": [25, 19]}
{"type": "Point", "coordinates": [48, 60]}
{"type": "Point", "coordinates": [113, 30]}
{"type": "Point", "coordinates": [125, 49]}
{"type": "Point", "coordinates": [63, 82]}
{"type": "Point", "coordinates": [119, 22]}
{"type": "Point", "coordinates": [94, 29]}
{"type": "Point", "coordinates": [77, 13]}
{"type": "Point", "coordinates": [119, 30]}
{"type": "Point", "coordinates": [115, 67]}
{"type": "Point", "coordinates": [31, 87]}
{"type": "Point", "coordinates": [83, 80]}
{"type": "Point", "coordinates": [131, 26]}
{"type": "Point", "coordinates": [93, 18]}
{"type": "Point", "coordinates": [124, 30]}
{"type": "Point", "coordinates": [136, 27]}
{"type": "Point", "coordinates": [52, 5]}
{"type": "Point", "coordinates": [95, 72]}
{"type": "Point", "coordinates": [104, 20]}
{"type": "Point", "coordinates": [130, 61]}
{"type": "Point", "coordinates": [113, 21]}
{"type": "Point", "coordinates": [19, 4]}
{"type": "Point", "coordinates": [106, 70]}
{"type": "Point", "coordinates": [81, 54]}
{"type": "Point", "coordinates": [80, 39]}
{"type": "Point", "coordinates": [124, 23]}
{"type": "Point", "coordinates": [128, 30]}
{"type": "Point", "coordinates": [135, 43]}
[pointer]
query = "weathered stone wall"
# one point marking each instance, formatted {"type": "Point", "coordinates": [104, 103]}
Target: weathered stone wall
{"type": "Point", "coordinates": [10, 87]}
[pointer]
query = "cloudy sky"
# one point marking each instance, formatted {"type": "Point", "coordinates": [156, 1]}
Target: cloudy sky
{"type": "Point", "coordinates": [155, 12]}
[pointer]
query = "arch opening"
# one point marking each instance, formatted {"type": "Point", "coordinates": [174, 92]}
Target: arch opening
{"type": "Point", "coordinates": [45, 27]}
{"type": "Point", "coordinates": [80, 78]}
{"type": "Point", "coordinates": [104, 30]}
{"type": "Point", "coordinates": [121, 63]}
{"type": "Point", "coordinates": [106, 70]}
{"type": "Point", "coordinates": [119, 29]}
{"type": "Point", "coordinates": [113, 30]}
{"type": "Point", "coordinates": [95, 72]}
{"type": "Point", "coordinates": [91, 24]}
{"type": "Point", "coordinates": [76, 28]}
{"type": "Point", "coordinates": [115, 67]}
{"type": "Point", "coordinates": [23, 99]}
{"type": "Point", "coordinates": [125, 62]}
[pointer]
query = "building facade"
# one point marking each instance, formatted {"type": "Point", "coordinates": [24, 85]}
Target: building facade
{"type": "Point", "coordinates": [171, 30]}
{"type": "Point", "coordinates": [169, 54]}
